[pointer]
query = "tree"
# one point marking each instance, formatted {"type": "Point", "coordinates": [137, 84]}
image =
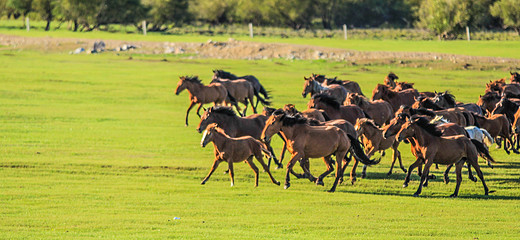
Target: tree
{"type": "Point", "coordinates": [80, 12]}
{"type": "Point", "coordinates": [120, 11]}
{"type": "Point", "coordinates": [164, 12]}
{"type": "Point", "coordinates": [509, 12]}
{"type": "Point", "coordinates": [46, 10]}
{"type": "Point", "coordinates": [444, 17]}
{"type": "Point", "coordinates": [19, 7]}
{"type": "Point", "coordinates": [214, 11]}
{"type": "Point", "coordinates": [296, 14]}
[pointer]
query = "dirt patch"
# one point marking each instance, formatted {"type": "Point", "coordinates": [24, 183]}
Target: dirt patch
{"type": "Point", "coordinates": [233, 49]}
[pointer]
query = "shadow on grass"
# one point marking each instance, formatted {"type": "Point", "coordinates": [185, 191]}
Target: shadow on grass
{"type": "Point", "coordinates": [492, 195]}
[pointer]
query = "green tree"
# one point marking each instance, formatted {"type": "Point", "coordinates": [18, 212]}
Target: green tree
{"type": "Point", "coordinates": [163, 12]}
{"type": "Point", "coordinates": [19, 7]}
{"type": "Point", "coordinates": [509, 12]}
{"type": "Point", "coordinates": [82, 13]}
{"type": "Point", "coordinates": [214, 11]}
{"type": "Point", "coordinates": [121, 11]}
{"type": "Point", "coordinates": [46, 10]}
{"type": "Point", "coordinates": [296, 14]}
{"type": "Point", "coordinates": [445, 18]}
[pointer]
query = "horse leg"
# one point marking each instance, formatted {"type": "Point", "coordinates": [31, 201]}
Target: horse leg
{"type": "Point", "coordinates": [198, 110]}
{"type": "Point", "coordinates": [260, 159]}
{"type": "Point", "coordinates": [213, 168]}
{"type": "Point", "coordinates": [270, 149]}
{"type": "Point", "coordinates": [353, 172]}
{"type": "Point", "coordinates": [231, 172]}
{"type": "Point", "coordinates": [188, 111]}
{"type": "Point", "coordinates": [369, 154]}
{"type": "Point", "coordinates": [512, 145]}
{"type": "Point", "coordinates": [330, 168]}
{"type": "Point", "coordinates": [458, 170]}
{"type": "Point", "coordinates": [446, 177]}
{"type": "Point", "coordinates": [346, 160]}
{"type": "Point", "coordinates": [252, 105]}
{"type": "Point", "coordinates": [505, 146]}
{"type": "Point", "coordinates": [339, 158]}
{"type": "Point", "coordinates": [290, 165]}
{"type": "Point", "coordinates": [400, 160]}
{"type": "Point", "coordinates": [498, 141]}
{"type": "Point", "coordinates": [470, 174]}
{"type": "Point", "coordinates": [417, 163]}
{"type": "Point", "coordinates": [251, 164]}
{"type": "Point", "coordinates": [424, 177]}
{"type": "Point", "coordinates": [479, 174]}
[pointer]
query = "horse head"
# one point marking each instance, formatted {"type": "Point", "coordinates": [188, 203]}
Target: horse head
{"type": "Point", "coordinates": [273, 125]}
{"type": "Point", "coordinates": [208, 134]}
{"type": "Point", "coordinates": [395, 125]}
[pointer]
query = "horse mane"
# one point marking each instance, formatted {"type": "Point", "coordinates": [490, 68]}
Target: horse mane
{"type": "Point", "coordinates": [450, 98]}
{"type": "Point", "coordinates": [405, 84]}
{"type": "Point", "coordinates": [427, 126]}
{"type": "Point", "coordinates": [223, 74]}
{"type": "Point", "coordinates": [328, 100]}
{"type": "Point", "coordinates": [292, 120]}
{"type": "Point", "coordinates": [369, 122]}
{"type": "Point", "coordinates": [192, 79]}
{"type": "Point", "coordinates": [428, 103]}
{"type": "Point", "coordinates": [333, 81]}
{"type": "Point", "coordinates": [392, 75]}
{"type": "Point", "coordinates": [224, 110]}
{"type": "Point", "coordinates": [269, 110]}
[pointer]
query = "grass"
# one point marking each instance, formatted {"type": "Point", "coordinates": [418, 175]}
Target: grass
{"type": "Point", "coordinates": [507, 49]}
{"type": "Point", "coordinates": [94, 146]}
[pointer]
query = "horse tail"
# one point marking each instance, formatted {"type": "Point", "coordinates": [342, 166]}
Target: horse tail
{"type": "Point", "coordinates": [264, 92]}
{"type": "Point", "coordinates": [263, 101]}
{"type": "Point", "coordinates": [264, 148]}
{"type": "Point", "coordinates": [487, 136]}
{"type": "Point", "coordinates": [359, 154]}
{"type": "Point", "coordinates": [482, 150]}
{"type": "Point", "coordinates": [467, 117]}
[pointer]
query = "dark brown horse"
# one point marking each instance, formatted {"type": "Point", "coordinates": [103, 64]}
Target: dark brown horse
{"type": "Point", "coordinates": [350, 86]}
{"type": "Point", "coordinates": [380, 111]}
{"type": "Point", "coordinates": [234, 150]}
{"type": "Point", "coordinates": [442, 150]}
{"type": "Point", "coordinates": [396, 99]}
{"type": "Point", "coordinates": [241, 90]}
{"type": "Point", "coordinates": [456, 115]}
{"type": "Point", "coordinates": [214, 93]}
{"type": "Point", "coordinates": [308, 113]}
{"type": "Point", "coordinates": [390, 80]}
{"type": "Point", "coordinates": [509, 90]}
{"type": "Point", "coordinates": [306, 141]}
{"type": "Point", "coordinates": [515, 77]}
{"type": "Point", "coordinates": [236, 126]}
{"type": "Point", "coordinates": [488, 101]}
{"type": "Point", "coordinates": [259, 89]}
{"type": "Point", "coordinates": [334, 110]}
{"type": "Point", "coordinates": [497, 125]}
{"type": "Point", "coordinates": [447, 100]}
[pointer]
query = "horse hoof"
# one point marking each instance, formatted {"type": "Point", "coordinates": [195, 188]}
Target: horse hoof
{"type": "Point", "coordinates": [331, 190]}
{"type": "Point", "coordinates": [432, 177]}
{"type": "Point", "coordinates": [277, 183]}
{"type": "Point", "coordinates": [320, 183]}
{"type": "Point", "coordinates": [446, 180]}
{"type": "Point", "coordinates": [453, 195]}
{"type": "Point", "coordinates": [279, 166]}
{"type": "Point", "coordinates": [363, 175]}
{"type": "Point", "coordinates": [474, 179]}
{"type": "Point", "coordinates": [508, 153]}
{"type": "Point", "coordinates": [404, 170]}
{"type": "Point", "coordinates": [425, 184]}
{"type": "Point", "coordinates": [287, 185]}
{"type": "Point", "coordinates": [416, 194]}
{"type": "Point", "coordinates": [405, 185]}
{"type": "Point", "coordinates": [203, 182]}
{"type": "Point", "coordinates": [389, 173]}
{"type": "Point", "coordinates": [232, 184]}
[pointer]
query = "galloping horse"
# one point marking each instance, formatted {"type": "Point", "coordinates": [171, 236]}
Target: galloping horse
{"type": "Point", "coordinates": [334, 110]}
{"type": "Point", "coordinates": [314, 88]}
{"type": "Point", "coordinates": [200, 94]}
{"type": "Point", "coordinates": [306, 141]}
{"type": "Point", "coordinates": [242, 91]}
{"type": "Point", "coordinates": [488, 101]}
{"type": "Point", "coordinates": [350, 86]}
{"type": "Point", "coordinates": [236, 126]}
{"type": "Point", "coordinates": [447, 100]}
{"type": "Point", "coordinates": [515, 77]}
{"type": "Point", "coordinates": [252, 79]}
{"type": "Point", "coordinates": [396, 99]}
{"type": "Point", "coordinates": [234, 150]}
{"type": "Point", "coordinates": [373, 140]}
{"type": "Point", "coordinates": [380, 111]}
{"type": "Point", "coordinates": [390, 80]}
{"type": "Point", "coordinates": [442, 150]}
{"type": "Point", "coordinates": [509, 90]}
{"type": "Point", "coordinates": [497, 125]}
{"type": "Point", "coordinates": [308, 113]}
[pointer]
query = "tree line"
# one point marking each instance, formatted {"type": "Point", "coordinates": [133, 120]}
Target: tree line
{"type": "Point", "coordinates": [445, 18]}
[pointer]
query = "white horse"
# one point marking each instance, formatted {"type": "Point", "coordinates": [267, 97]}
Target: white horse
{"type": "Point", "coordinates": [480, 135]}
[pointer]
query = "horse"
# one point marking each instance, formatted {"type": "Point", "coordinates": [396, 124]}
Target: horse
{"type": "Point", "coordinates": [308, 113]}
{"type": "Point", "coordinates": [350, 86]}
{"type": "Point", "coordinates": [234, 150]}
{"type": "Point", "coordinates": [479, 134]}
{"type": "Point", "coordinates": [252, 79]}
{"type": "Point", "coordinates": [456, 115]}
{"type": "Point", "coordinates": [390, 80]}
{"type": "Point", "coordinates": [236, 126]}
{"type": "Point", "coordinates": [396, 99]}
{"type": "Point", "coordinates": [497, 125]}
{"type": "Point", "coordinates": [334, 90]}
{"type": "Point", "coordinates": [442, 150]}
{"type": "Point", "coordinates": [334, 110]}
{"type": "Point", "coordinates": [305, 141]}
{"type": "Point", "coordinates": [373, 140]}
{"type": "Point", "coordinates": [447, 100]}
{"type": "Point", "coordinates": [242, 91]}
{"type": "Point", "coordinates": [488, 101]}
{"type": "Point", "coordinates": [515, 77]}
{"type": "Point", "coordinates": [380, 111]}
{"type": "Point", "coordinates": [200, 94]}
{"type": "Point", "coordinates": [511, 90]}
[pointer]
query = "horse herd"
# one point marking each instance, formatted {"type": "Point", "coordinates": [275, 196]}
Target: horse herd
{"type": "Point", "coordinates": [341, 121]}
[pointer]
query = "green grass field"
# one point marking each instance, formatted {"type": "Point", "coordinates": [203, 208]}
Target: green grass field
{"type": "Point", "coordinates": [94, 146]}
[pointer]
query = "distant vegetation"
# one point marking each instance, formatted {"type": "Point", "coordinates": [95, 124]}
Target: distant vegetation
{"type": "Point", "coordinates": [446, 19]}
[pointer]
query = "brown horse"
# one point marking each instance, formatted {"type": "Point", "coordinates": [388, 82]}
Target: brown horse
{"type": "Point", "coordinates": [236, 126]}
{"type": "Point", "coordinates": [447, 100]}
{"type": "Point", "coordinates": [390, 80]}
{"type": "Point", "coordinates": [234, 150]}
{"type": "Point", "coordinates": [334, 110]}
{"type": "Point", "coordinates": [241, 90]}
{"type": "Point", "coordinates": [488, 101]}
{"type": "Point", "coordinates": [308, 113]}
{"type": "Point", "coordinates": [497, 125]}
{"type": "Point", "coordinates": [306, 141]}
{"type": "Point", "coordinates": [515, 77]}
{"type": "Point", "coordinates": [259, 89]}
{"type": "Point", "coordinates": [516, 123]}
{"type": "Point", "coordinates": [350, 86]}
{"type": "Point", "coordinates": [396, 99]}
{"type": "Point", "coordinates": [314, 88]}
{"type": "Point", "coordinates": [442, 150]}
{"type": "Point", "coordinates": [214, 93]}
{"type": "Point", "coordinates": [456, 115]}
{"type": "Point", "coordinates": [509, 90]}
{"type": "Point", "coordinates": [373, 140]}
{"type": "Point", "coordinates": [380, 111]}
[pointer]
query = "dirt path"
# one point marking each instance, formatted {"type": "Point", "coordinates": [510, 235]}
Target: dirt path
{"type": "Point", "coordinates": [233, 49]}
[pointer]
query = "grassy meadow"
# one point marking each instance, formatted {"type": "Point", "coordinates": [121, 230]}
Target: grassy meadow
{"type": "Point", "coordinates": [94, 146]}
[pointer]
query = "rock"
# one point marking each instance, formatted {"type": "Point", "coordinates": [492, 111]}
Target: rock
{"type": "Point", "coordinates": [78, 51]}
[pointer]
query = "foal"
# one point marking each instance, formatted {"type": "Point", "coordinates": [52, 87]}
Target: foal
{"type": "Point", "coordinates": [230, 150]}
